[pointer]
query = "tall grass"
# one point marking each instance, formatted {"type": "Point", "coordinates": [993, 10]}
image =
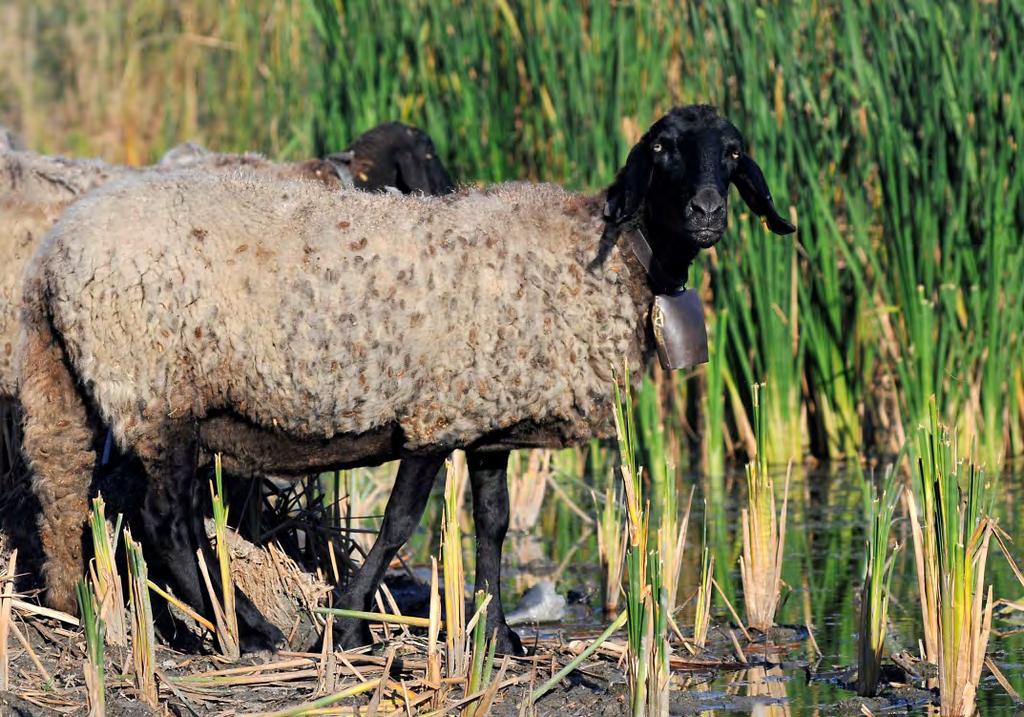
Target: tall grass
{"type": "Point", "coordinates": [127, 80]}
{"type": "Point", "coordinates": [901, 168]}
{"type": "Point", "coordinates": [648, 608]}
{"type": "Point", "coordinates": [951, 535]}
{"type": "Point", "coordinates": [901, 171]}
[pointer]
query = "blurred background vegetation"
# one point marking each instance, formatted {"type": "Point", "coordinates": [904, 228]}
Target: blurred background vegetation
{"type": "Point", "coordinates": [889, 131]}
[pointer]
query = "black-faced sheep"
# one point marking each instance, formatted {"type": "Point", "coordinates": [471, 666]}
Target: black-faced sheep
{"type": "Point", "coordinates": [293, 329]}
{"type": "Point", "coordinates": [394, 155]}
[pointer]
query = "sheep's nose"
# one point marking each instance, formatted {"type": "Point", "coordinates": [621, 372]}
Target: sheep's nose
{"type": "Point", "coordinates": [707, 202]}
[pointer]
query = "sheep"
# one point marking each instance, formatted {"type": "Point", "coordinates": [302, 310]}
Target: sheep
{"type": "Point", "coordinates": [292, 329]}
{"type": "Point", "coordinates": [36, 189]}
{"type": "Point", "coordinates": [394, 155]}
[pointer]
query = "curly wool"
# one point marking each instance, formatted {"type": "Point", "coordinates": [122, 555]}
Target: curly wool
{"type": "Point", "coordinates": [320, 314]}
{"type": "Point", "coordinates": [36, 189]}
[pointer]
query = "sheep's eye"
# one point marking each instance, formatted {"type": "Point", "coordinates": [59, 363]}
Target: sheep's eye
{"type": "Point", "coordinates": [734, 153]}
{"type": "Point", "coordinates": [657, 147]}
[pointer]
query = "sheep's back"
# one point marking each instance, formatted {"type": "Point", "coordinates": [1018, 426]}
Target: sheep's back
{"type": "Point", "coordinates": [324, 313]}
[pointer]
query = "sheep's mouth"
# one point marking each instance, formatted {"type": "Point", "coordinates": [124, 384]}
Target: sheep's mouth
{"type": "Point", "coordinates": [705, 237]}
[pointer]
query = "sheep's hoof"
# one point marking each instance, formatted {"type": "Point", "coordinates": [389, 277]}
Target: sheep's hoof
{"type": "Point", "coordinates": [350, 633]}
{"type": "Point", "coordinates": [268, 640]}
{"type": "Point", "coordinates": [509, 642]}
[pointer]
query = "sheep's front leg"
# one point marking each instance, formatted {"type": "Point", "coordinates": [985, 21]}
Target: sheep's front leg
{"type": "Point", "coordinates": [487, 475]}
{"type": "Point", "coordinates": [405, 508]}
{"type": "Point", "coordinates": [173, 531]}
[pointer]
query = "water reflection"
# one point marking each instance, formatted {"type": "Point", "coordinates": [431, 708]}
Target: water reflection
{"type": "Point", "coordinates": [822, 573]}
{"type": "Point", "coordinates": [769, 684]}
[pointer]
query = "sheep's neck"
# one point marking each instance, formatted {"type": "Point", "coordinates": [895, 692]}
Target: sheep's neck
{"type": "Point", "coordinates": [673, 254]}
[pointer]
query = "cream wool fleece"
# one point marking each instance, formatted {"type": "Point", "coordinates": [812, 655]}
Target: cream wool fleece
{"type": "Point", "coordinates": [319, 313]}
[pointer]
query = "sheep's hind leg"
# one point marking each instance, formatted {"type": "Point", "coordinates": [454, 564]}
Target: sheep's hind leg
{"type": "Point", "coordinates": [487, 474]}
{"type": "Point", "coordinates": [405, 508]}
{"type": "Point", "coordinates": [172, 524]}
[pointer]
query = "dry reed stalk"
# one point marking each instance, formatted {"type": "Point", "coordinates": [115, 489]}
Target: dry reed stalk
{"type": "Point", "coordinates": [183, 606]}
{"type": "Point", "coordinates": [764, 541]}
{"type": "Point", "coordinates": [611, 546]}
{"type": "Point", "coordinates": [27, 647]}
{"type": "Point", "coordinates": [7, 580]}
{"type": "Point", "coordinates": [526, 490]}
{"type": "Point", "coordinates": [926, 568]}
{"type": "Point", "coordinates": [382, 617]}
{"type": "Point", "coordinates": [327, 672]}
{"type": "Point", "coordinates": [672, 543]}
{"type": "Point", "coordinates": [228, 648]}
{"type": "Point", "coordinates": [312, 707]}
{"type": "Point", "coordinates": [143, 638]}
{"type": "Point", "coordinates": [433, 675]}
{"type": "Point", "coordinates": [105, 577]}
{"type": "Point", "coordinates": [702, 611]}
{"type": "Point", "coordinates": [28, 608]}
{"type": "Point", "coordinates": [454, 572]}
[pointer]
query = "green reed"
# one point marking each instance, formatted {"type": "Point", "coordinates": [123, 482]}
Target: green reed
{"type": "Point", "coordinates": [648, 572]}
{"type": "Point", "coordinates": [143, 637]}
{"type": "Point", "coordinates": [899, 171]}
{"type": "Point", "coordinates": [224, 604]}
{"type": "Point", "coordinates": [106, 578]}
{"type": "Point", "coordinates": [880, 505]}
{"type": "Point", "coordinates": [951, 535]}
{"type": "Point", "coordinates": [93, 666]}
{"type": "Point", "coordinates": [890, 133]}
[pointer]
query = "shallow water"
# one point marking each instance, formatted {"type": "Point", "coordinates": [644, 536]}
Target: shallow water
{"type": "Point", "coordinates": [823, 567]}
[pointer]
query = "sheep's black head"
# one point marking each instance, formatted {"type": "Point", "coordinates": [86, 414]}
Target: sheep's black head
{"type": "Point", "coordinates": [676, 182]}
{"type": "Point", "coordinates": [393, 154]}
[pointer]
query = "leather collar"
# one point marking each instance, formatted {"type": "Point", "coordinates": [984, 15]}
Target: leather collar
{"type": "Point", "coordinates": [661, 282]}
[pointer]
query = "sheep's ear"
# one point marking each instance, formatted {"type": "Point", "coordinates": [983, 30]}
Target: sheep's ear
{"type": "Point", "coordinates": [341, 162]}
{"type": "Point", "coordinates": [626, 195]}
{"type": "Point", "coordinates": [413, 172]}
{"type": "Point", "coordinates": [749, 179]}
{"type": "Point", "coordinates": [423, 172]}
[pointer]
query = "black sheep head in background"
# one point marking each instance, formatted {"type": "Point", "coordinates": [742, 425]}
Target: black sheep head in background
{"type": "Point", "coordinates": [396, 155]}
{"type": "Point", "coordinates": [675, 186]}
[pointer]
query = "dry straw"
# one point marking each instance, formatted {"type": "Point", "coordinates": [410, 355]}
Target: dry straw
{"type": "Point", "coordinates": [764, 531]}
{"type": "Point", "coordinates": [105, 577]}
{"type": "Point", "coordinates": [142, 633]}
